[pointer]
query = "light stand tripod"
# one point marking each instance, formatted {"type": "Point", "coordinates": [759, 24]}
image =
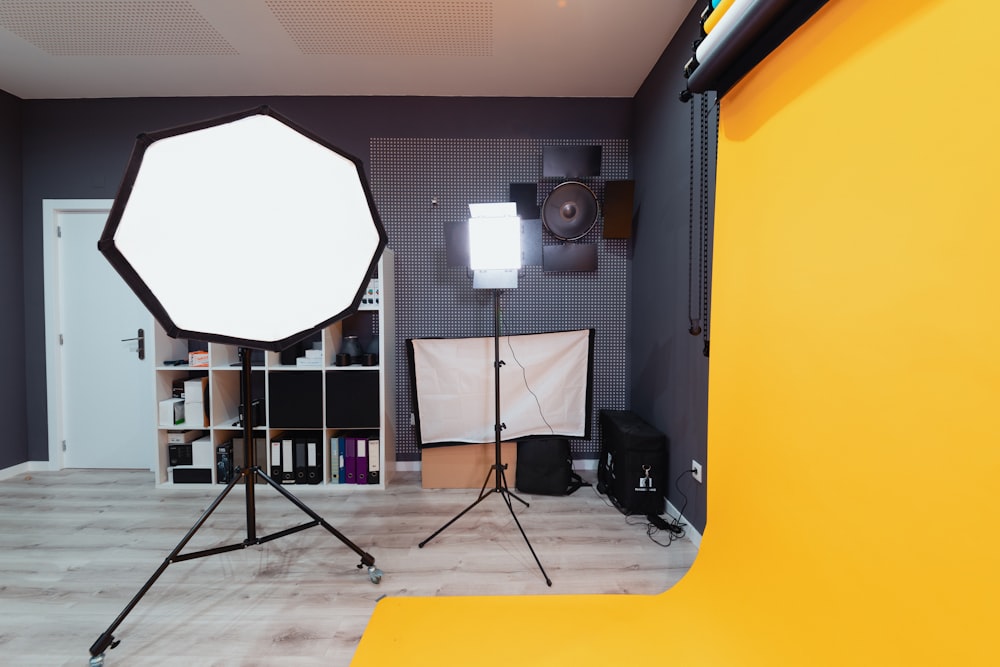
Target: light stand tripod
{"type": "Point", "coordinates": [247, 475]}
{"type": "Point", "coordinates": [498, 467]}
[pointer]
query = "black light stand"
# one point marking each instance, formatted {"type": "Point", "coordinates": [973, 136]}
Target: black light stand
{"type": "Point", "coordinates": [498, 467]}
{"type": "Point", "coordinates": [247, 475]}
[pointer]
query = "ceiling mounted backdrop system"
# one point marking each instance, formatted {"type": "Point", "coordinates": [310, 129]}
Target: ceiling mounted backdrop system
{"type": "Point", "coordinates": [271, 216]}
{"type": "Point", "coordinates": [738, 34]}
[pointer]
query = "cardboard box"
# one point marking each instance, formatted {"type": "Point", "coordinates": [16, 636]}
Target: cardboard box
{"type": "Point", "coordinates": [196, 389]}
{"type": "Point", "coordinates": [203, 453]}
{"type": "Point", "coordinates": [195, 393]}
{"type": "Point", "coordinates": [183, 436]}
{"type": "Point", "coordinates": [465, 466]}
{"type": "Point", "coordinates": [172, 412]}
{"type": "Point", "coordinates": [195, 415]}
{"type": "Point", "coordinates": [198, 359]}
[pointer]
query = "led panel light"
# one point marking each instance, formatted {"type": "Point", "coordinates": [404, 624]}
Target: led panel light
{"type": "Point", "coordinates": [494, 245]}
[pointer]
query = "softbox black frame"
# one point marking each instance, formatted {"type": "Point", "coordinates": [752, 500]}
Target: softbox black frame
{"type": "Point", "coordinates": [107, 246]}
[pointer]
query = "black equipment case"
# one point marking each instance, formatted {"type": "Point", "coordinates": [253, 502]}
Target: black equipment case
{"type": "Point", "coordinates": [632, 468]}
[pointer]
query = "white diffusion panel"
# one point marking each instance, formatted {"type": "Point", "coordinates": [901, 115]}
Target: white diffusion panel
{"type": "Point", "coordinates": [543, 386]}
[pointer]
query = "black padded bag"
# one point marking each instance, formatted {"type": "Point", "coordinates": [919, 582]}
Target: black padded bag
{"type": "Point", "coordinates": [545, 466]}
{"type": "Point", "coordinates": [632, 469]}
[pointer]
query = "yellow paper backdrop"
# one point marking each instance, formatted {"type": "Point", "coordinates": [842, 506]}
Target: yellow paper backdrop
{"type": "Point", "coordinates": [854, 421]}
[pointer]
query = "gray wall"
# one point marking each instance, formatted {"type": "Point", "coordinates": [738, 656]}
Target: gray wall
{"type": "Point", "coordinates": [12, 397]}
{"type": "Point", "coordinates": [669, 378]}
{"type": "Point", "coordinates": [79, 148]}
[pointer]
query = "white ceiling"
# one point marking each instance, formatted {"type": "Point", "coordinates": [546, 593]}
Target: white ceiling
{"type": "Point", "coordinates": [165, 48]}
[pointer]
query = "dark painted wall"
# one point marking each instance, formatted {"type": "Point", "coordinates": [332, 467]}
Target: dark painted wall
{"type": "Point", "coordinates": [79, 148]}
{"type": "Point", "coordinates": [12, 397]}
{"type": "Point", "coordinates": [669, 372]}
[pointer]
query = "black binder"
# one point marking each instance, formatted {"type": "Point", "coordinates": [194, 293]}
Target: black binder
{"type": "Point", "coordinates": [300, 461]}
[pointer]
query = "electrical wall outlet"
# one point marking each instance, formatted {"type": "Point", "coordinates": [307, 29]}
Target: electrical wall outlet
{"type": "Point", "coordinates": [696, 470]}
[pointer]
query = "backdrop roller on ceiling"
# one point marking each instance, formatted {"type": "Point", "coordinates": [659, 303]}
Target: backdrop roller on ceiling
{"type": "Point", "coordinates": [570, 211]}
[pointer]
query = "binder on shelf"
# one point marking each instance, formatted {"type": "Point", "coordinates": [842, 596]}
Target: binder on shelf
{"type": "Point", "coordinates": [374, 471]}
{"type": "Point", "coordinates": [276, 459]}
{"type": "Point", "coordinates": [334, 460]}
{"type": "Point", "coordinates": [314, 461]}
{"type": "Point", "coordinates": [361, 471]}
{"type": "Point", "coordinates": [287, 461]}
{"type": "Point", "coordinates": [340, 459]}
{"type": "Point", "coordinates": [300, 461]}
{"type": "Point", "coordinates": [350, 460]}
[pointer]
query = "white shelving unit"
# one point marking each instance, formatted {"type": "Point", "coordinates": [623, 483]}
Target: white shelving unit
{"type": "Point", "coordinates": [298, 401]}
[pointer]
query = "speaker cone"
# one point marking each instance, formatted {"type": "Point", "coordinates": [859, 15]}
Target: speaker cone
{"type": "Point", "coordinates": [570, 211]}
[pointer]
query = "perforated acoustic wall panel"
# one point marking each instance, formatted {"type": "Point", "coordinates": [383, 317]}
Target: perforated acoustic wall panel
{"type": "Point", "coordinates": [419, 185]}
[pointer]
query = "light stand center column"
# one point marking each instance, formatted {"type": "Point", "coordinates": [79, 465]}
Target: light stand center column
{"type": "Point", "coordinates": [495, 257]}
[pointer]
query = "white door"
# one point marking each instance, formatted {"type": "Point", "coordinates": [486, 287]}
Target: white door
{"type": "Point", "coordinates": [105, 394]}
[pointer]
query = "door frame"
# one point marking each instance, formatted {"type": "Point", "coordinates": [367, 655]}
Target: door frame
{"type": "Point", "coordinates": [51, 210]}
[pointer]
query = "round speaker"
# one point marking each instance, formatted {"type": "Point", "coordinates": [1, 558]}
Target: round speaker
{"type": "Point", "coordinates": [570, 211]}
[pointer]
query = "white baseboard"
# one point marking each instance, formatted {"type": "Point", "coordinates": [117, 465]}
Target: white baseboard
{"type": "Point", "coordinates": [689, 531]}
{"type": "Point", "coordinates": [582, 464]}
{"type": "Point", "coordinates": [21, 468]}
{"type": "Point", "coordinates": [414, 466]}
{"type": "Point", "coordinates": [402, 466]}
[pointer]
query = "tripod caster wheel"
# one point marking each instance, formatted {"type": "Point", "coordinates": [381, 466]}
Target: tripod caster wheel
{"type": "Point", "coordinates": [97, 661]}
{"type": "Point", "coordinates": [375, 574]}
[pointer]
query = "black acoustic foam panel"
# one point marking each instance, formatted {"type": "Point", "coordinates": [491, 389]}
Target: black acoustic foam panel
{"type": "Point", "coordinates": [618, 196]}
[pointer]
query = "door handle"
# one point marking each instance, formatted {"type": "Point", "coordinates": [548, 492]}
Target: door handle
{"type": "Point", "coordinates": [141, 347]}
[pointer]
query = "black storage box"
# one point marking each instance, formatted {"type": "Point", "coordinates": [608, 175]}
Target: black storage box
{"type": "Point", "coordinates": [632, 468]}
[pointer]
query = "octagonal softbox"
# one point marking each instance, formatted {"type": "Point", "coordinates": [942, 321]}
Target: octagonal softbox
{"type": "Point", "coordinates": [245, 229]}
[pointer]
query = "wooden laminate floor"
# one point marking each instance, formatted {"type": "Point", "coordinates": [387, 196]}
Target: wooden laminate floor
{"type": "Point", "coordinates": [77, 545]}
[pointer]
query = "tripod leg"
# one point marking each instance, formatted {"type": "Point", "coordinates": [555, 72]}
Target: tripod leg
{"type": "Point", "coordinates": [453, 520]}
{"type": "Point", "coordinates": [366, 558]}
{"type": "Point", "coordinates": [482, 496]}
{"type": "Point", "coordinates": [107, 639]}
{"type": "Point", "coordinates": [506, 489]}
{"type": "Point", "coordinates": [507, 495]}
{"type": "Point", "coordinates": [506, 498]}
